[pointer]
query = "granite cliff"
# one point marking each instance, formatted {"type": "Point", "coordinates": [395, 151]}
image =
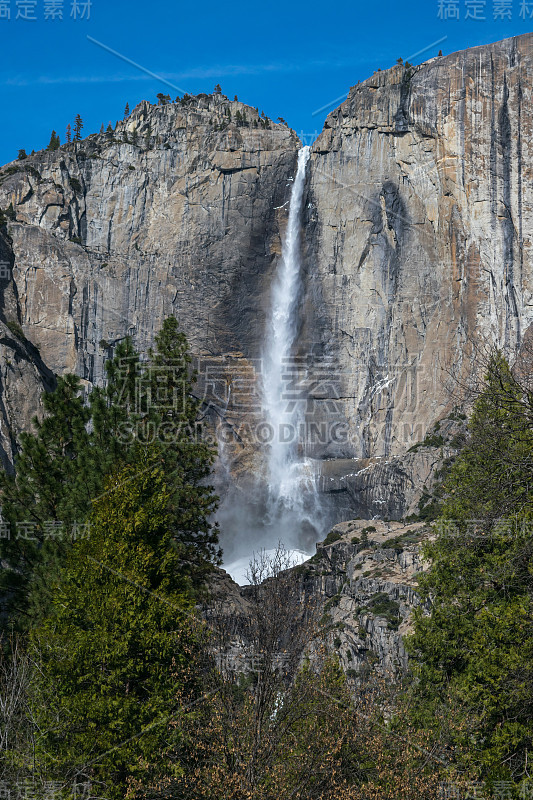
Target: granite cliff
{"type": "Point", "coordinates": [359, 589]}
{"type": "Point", "coordinates": [418, 208]}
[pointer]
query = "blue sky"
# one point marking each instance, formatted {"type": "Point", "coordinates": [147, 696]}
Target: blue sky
{"type": "Point", "coordinates": [288, 59]}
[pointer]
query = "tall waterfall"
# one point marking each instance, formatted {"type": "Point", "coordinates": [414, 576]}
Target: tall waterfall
{"type": "Point", "coordinates": [282, 504]}
{"type": "Point", "coordinates": [292, 497]}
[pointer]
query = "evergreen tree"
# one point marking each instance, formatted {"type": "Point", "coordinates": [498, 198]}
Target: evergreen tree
{"type": "Point", "coordinates": [38, 497]}
{"type": "Point", "coordinates": [173, 411]}
{"type": "Point", "coordinates": [217, 89]}
{"type": "Point", "coordinates": [134, 136]}
{"type": "Point", "coordinates": [109, 128]}
{"type": "Point", "coordinates": [22, 155]}
{"type": "Point", "coordinates": [118, 641]}
{"type": "Point", "coordinates": [127, 111]}
{"type": "Point", "coordinates": [61, 468]}
{"type": "Point", "coordinates": [473, 654]}
{"type": "Point", "coordinates": [78, 127]}
{"type": "Point", "coordinates": [69, 133]}
{"type": "Point", "coordinates": [102, 129]}
{"type": "Point", "coordinates": [54, 143]}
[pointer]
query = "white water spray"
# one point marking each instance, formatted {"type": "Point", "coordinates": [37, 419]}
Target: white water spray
{"type": "Point", "coordinates": [292, 490]}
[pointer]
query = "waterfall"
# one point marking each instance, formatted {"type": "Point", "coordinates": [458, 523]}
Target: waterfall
{"type": "Point", "coordinates": [292, 497]}
{"type": "Point", "coordinates": [282, 504]}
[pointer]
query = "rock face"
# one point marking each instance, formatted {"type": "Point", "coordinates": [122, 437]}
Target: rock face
{"type": "Point", "coordinates": [418, 223]}
{"type": "Point", "coordinates": [416, 239]}
{"type": "Point", "coordinates": [362, 588]}
{"type": "Point", "coordinates": [23, 375]}
{"type": "Point", "coordinates": [365, 578]}
{"type": "Point", "coordinates": [112, 237]}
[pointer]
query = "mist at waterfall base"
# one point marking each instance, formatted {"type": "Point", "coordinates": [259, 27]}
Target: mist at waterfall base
{"type": "Point", "coordinates": [282, 504]}
{"type": "Point", "coordinates": [247, 528]}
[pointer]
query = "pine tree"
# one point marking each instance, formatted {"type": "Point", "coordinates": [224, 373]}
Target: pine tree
{"type": "Point", "coordinates": [217, 89]}
{"type": "Point", "coordinates": [39, 495]}
{"type": "Point", "coordinates": [22, 155]}
{"type": "Point", "coordinates": [134, 136]}
{"type": "Point", "coordinates": [172, 410]}
{"type": "Point", "coordinates": [69, 133]}
{"type": "Point", "coordinates": [109, 128]}
{"type": "Point", "coordinates": [127, 111]}
{"type": "Point", "coordinates": [473, 653]}
{"type": "Point", "coordinates": [78, 127]}
{"type": "Point", "coordinates": [61, 468]}
{"type": "Point", "coordinates": [54, 143]}
{"type": "Point", "coordinates": [119, 639]}
{"type": "Point", "coordinates": [102, 129]}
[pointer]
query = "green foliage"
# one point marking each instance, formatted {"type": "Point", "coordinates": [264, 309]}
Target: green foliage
{"type": "Point", "coordinates": [22, 155]}
{"type": "Point", "coordinates": [117, 641]}
{"type": "Point", "coordinates": [61, 469]}
{"type": "Point", "coordinates": [75, 185]}
{"type": "Point", "coordinates": [367, 530]}
{"type": "Point", "coordinates": [473, 655]}
{"type": "Point", "coordinates": [16, 330]}
{"type": "Point", "coordinates": [381, 605]}
{"type": "Point", "coordinates": [432, 439]}
{"type": "Point", "coordinates": [332, 537]}
{"type": "Point", "coordinates": [78, 127]}
{"type": "Point", "coordinates": [430, 503]}
{"type": "Point", "coordinates": [405, 539]}
{"type": "Point", "coordinates": [54, 143]}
